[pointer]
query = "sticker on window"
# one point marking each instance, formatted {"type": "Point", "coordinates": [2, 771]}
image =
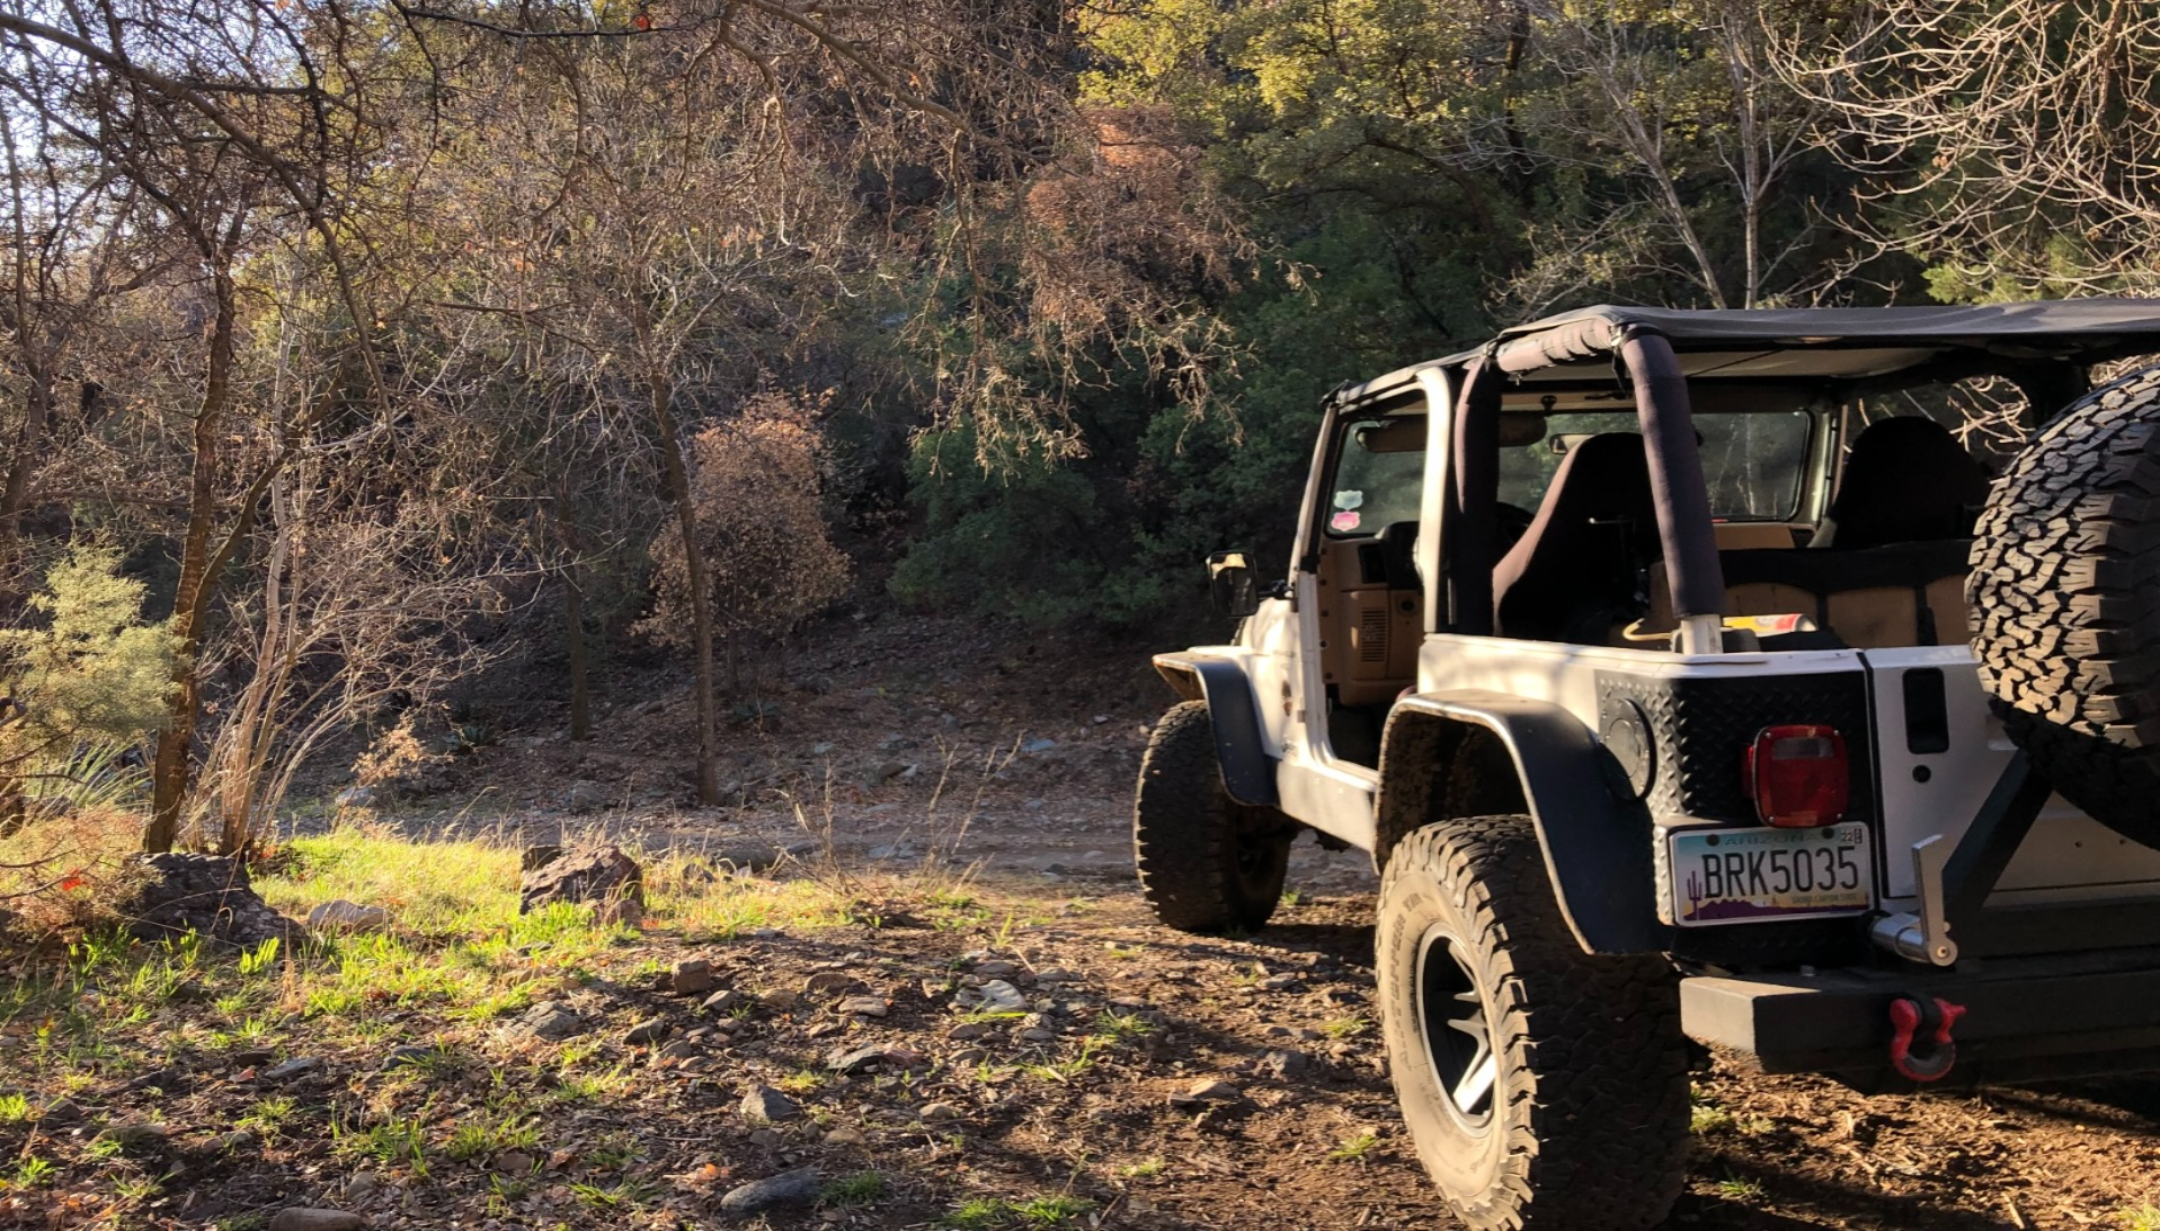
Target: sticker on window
{"type": "Point", "coordinates": [1350, 500]}
{"type": "Point", "coordinates": [1344, 521]}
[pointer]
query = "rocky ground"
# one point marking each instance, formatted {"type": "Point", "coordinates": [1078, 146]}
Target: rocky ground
{"type": "Point", "coordinates": [959, 1056]}
{"type": "Point", "coordinates": [949, 1009]}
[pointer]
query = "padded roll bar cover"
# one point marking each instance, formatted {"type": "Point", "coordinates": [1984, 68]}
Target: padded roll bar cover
{"type": "Point", "coordinates": [1597, 845]}
{"type": "Point", "coordinates": [1676, 474]}
{"type": "Point", "coordinates": [1475, 491]}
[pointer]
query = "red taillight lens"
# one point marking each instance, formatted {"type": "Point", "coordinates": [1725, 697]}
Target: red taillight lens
{"type": "Point", "coordinates": [1799, 776]}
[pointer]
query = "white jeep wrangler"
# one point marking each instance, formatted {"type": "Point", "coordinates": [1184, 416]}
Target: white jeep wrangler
{"type": "Point", "coordinates": [1681, 690]}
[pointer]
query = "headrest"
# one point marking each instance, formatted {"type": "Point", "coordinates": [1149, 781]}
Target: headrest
{"type": "Point", "coordinates": [1907, 481]}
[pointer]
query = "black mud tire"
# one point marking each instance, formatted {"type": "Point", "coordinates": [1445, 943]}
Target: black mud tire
{"type": "Point", "coordinates": [1207, 863]}
{"type": "Point", "coordinates": [2066, 586]}
{"type": "Point", "coordinates": [1584, 1122]}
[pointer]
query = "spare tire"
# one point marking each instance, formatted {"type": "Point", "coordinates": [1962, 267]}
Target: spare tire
{"type": "Point", "coordinates": [2066, 587]}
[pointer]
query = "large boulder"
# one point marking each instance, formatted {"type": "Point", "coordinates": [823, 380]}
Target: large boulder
{"type": "Point", "coordinates": [603, 876]}
{"type": "Point", "coordinates": [206, 894]}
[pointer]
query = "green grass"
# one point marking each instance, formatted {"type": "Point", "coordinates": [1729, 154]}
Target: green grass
{"type": "Point", "coordinates": [1146, 1168]}
{"type": "Point", "coordinates": [1000, 1214]}
{"type": "Point", "coordinates": [1345, 1027]}
{"type": "Point", "coordinates": [483, 1138]}
{"type": "Point", "coordinates": [2143, 1218]}
{"type": "Point", "coordinates": [802, 1081]}
{"type": "Point", "coordinates": [14, 1108]}
{"type": "Point", "coordinates": [267, 1117]}
{"type": "Point", "coordinates": [850, 1191]}
{"type": "Point", "coordinates": [1354, 1147]}
{"type": "Point", "coordinates": [1735, 1188]}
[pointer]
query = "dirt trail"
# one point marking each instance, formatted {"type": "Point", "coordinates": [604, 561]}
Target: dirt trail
{"type": "Point", "coordinates": [912, 728]}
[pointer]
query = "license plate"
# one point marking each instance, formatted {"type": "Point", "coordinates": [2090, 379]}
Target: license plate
{"type": "Point", "coordinates": [1753, 875]}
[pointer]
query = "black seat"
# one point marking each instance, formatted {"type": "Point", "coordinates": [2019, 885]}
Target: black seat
{"type": "Point", "coordinates": [1908, 481]}
{"type": "Point", "coordinates": [1575, 571]}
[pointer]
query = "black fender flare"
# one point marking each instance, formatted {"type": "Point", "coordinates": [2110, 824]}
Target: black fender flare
{"type": "Point", "coordinates": [1596, 840]}
{"type": "Point", "coordinates": [1248, 772]}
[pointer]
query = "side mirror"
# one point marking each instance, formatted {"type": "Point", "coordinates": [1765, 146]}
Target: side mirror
{"type": "Point", "coordinates": [1231, 584]}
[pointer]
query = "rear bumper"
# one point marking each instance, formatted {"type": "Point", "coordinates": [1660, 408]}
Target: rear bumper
{"type": "Point", "coordinates": [2025, 1019]}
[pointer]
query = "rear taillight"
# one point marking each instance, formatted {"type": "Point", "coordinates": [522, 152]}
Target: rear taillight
{"type": "Point", "coordinates": [1799, 776]}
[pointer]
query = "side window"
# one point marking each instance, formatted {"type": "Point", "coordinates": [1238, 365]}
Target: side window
{"type": "Point", "coordinates": [1379, 474]}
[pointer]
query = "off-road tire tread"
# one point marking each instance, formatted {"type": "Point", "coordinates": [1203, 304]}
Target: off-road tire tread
{"type": "Point", "coordinates": [1185, 828]}
{"type": "Point", "coordinates": [1597, 1135]}
{"type": "Point", "coordinates": [2065, 585]}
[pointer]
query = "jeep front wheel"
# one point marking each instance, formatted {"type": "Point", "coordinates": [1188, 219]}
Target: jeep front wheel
{"type": "Point", "coordinates": [1207, 863]}
{"type": "Point", "coordinates": [1542, 1086]}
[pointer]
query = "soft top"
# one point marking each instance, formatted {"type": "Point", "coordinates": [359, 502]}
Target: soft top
{"type": "Point", "coordinates": [1769, 344]}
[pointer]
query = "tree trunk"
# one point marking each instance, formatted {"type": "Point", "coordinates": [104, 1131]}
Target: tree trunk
{"type": "Point", "coordinates": [701, 624]}
{"type": "Point", "coordinates": [169, 773]}
{"type": "Point", "coordinates": [29, 444]}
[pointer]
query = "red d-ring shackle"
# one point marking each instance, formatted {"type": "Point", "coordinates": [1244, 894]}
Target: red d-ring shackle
{"type": "Point", "coordinates": [1931, 1019]}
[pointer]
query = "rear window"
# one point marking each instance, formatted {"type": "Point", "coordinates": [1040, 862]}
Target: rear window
{"type": "Point", "coordinates": [1753, 464]}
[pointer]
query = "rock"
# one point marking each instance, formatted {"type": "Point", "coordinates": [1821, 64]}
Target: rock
{"type": "Point", "coordinates": [832, 983]}
{"type": "Point", "coordinates": [647, 1032]}
{"type": "Point", "coordinates": [295, 1067]}
{"type": "Point", "coordinates": [166, 1081]}
{"type": "Point", "coordinates": [895, 850]}
{"type": "Point", "coordinates": [514, 1162]}
{"type": "Point", "coordinates": [860, 1058]}
{"type": "Point", "coordinates": [300, 1219]}
{"type": "Point", "coordinates": [1036, 1034]}
{"type": "Point", "coordinates": [409, 1055]}
{"type": "Point", "coordinates": [604, 876]}
{"type": "Point", "coordinates": [237, 1140]}
{"type": "Point", "coordinates": [763, 1105]}
{"type": "Point", "coordinates": [1055, 974]}
{"type": "Point", "coordinates": [539, 856]}
{"type": "Point", "coordinates": [1207, 1090]}
{"type": "Point", "coordinates": [344, 916]}
{"type": "Point", "coordinates": [766, 1139]}
{"type": "Point", "coordinates": [998, 968]}
{"type": "Point", "coordinates": [679, 1050]}
{"type": "Point", "coordinates": [584, 797]}
{"type": "Point", "coordinates": [998, 996]}
{"type": "Point", "coordinates": [133, 1134]}
{"type": "Point", "coordinates": [1038, 745]}
{"type": "Point", "coordinates": [968, 1030]}
{"type": "Point", "coordinates": [1286, 1063]}
{"type": "Point", "coordinates": [723, 1003]}
{"type": "Point", "coordinates": [691, 977]}
{"type": "Point", "coordinates": [761, 856]}
{"type": "Point", "coordinates": [206, 894]}
{"type": "Point", "coordinates": [861, 1006]}
{"type": "Point", "coordinates": [356, 797]}
{"type": "Point", "coordinates": [1278, 983]}
{"type": "Point", "coordinates": [780, 999]}
{"type": "Point", "coordinates": [940, 1111]}
{"type": "Point", "coordinates": [61, 1111]}
{"type": "Point", "coordinates": [550, 1021]}
{"type": "Point", "coordinates": [844, 1136]}
{"type": "Point", "coordinates": [361, 1186]}
{"type": "Point", "coordinates": [967, 1057]}
{"type": "Point", "coordinates": [796, 1187]}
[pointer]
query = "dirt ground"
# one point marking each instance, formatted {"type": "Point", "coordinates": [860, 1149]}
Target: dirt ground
{"type": "Point", "coordinates": [921, 741]}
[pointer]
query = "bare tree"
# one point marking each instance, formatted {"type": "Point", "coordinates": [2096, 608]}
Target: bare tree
{"type": "Point", "coordinates": [2013, 142]}
{"type": "Point", "coordinates": [1689, 98]}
